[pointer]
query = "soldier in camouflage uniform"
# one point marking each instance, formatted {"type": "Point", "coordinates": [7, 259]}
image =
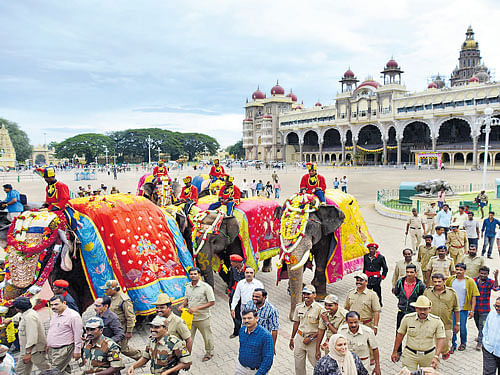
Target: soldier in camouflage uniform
{"type": "Point", "coordinates": [99, 352]}
{"type": "Point", "coordinates": [165, 352]}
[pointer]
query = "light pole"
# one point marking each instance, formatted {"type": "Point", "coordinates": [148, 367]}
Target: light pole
{"type": "Point", "coordinates": [149, 140]}
{"type": "Point", "coordinates": [488, 121]}
{"type": "Point", "coordinates": [106, 152]}
{"type": "Point", "coordinates": [159, 152]}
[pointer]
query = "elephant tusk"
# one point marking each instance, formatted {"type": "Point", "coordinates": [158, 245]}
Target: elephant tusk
{"type": "Point", "coordinates": [303, 261]}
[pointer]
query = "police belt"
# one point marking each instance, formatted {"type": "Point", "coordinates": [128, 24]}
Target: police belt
{"type": "Point", "coordinates": [304, 334]}
{"type": "Point", "coordinates": [414, 228]}
{"type": "Point", "coordinates": [420, 352]}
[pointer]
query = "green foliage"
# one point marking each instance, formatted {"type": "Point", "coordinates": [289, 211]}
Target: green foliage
{"type": "Point", "coordinates": [88, 144]}
{"type": "Point", "coordinates": [237, 150]}
{"type": "Point", "coordinates": [19, 140]}
{"type": "Point", "coordinates": [196, 143]}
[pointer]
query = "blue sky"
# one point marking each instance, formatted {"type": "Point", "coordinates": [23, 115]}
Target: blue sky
{"type": "Point", "coordinates": [69, 67]}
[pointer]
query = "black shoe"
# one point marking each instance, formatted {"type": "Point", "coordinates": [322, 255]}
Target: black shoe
{"type": "Point", "coordinates": [233, 336]}
{"type": "Point", "coordinates": [490, 257]}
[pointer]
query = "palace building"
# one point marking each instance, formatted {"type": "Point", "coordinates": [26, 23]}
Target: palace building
{"type": "Point", "coordinates": [381, 122]}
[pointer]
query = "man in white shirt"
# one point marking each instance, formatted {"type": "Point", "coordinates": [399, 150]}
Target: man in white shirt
{"type": "Point", "coordinates": [472, 229]}
{"type": "Point", "coordinates": [460, 217]}
{"type": "Point", "coordinates": [244, 187]}
{"type": "Point", "coordinates": [244, 289]}
{"type": "Point", "coordinates": [7, 362]}
{"type": "Point", "coordinates": [439, 239]}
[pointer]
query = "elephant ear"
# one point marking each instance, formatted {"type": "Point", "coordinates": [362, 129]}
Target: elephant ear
{"type": "Point", "coordinates": [331, 218]}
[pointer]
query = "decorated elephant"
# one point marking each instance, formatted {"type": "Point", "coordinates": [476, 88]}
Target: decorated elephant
{"type": "Point", "coordinates": [118, 236]}
{"type": "Point", "coordinates": [431, 187]}
{"type": "Point", "coordinates": [158, 191]}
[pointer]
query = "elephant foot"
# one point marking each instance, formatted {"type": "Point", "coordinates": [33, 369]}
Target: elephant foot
{"type": "Point", "coordinates": [267, 268]}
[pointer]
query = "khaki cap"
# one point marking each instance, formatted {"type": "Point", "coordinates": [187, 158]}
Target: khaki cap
{"type": "Point", "coordinates": [163, 299]}
{"type": "Point", "coordinates": [332, 298]}
{"type": "Point", "coordinates": [361, 276]}
{"type": "Point", "coordinates": [309, 289]}
{"type": "Point", "coordinates": [422, 302]}
{"type": "Point", "coordinates": [159, 321]}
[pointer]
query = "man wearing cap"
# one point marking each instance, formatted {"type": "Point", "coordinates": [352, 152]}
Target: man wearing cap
{"type": "Point", "coordinates": [100, 353]}
{"type": "Point", "coordinates": [60, 288]}
{"type": "Point", "coordinates": [425, 337]}
{"type": "Point", "coordinates": [236, 273]}
{"type": "Point", "coordinates": [122, 306]}
{"type": "Point", "coordinates": [56, 193]}
{"type": "Point", "coordinates": [361, 340]}
{"type": "Point", "coordinates": [375, 267]}
{"type": "Point", "coordinates": [331, 319]}
{"type": "Point", "coordinates": [160, 170]}
{"type": "Point", "coordinates": [64, 336]}
{"type": "Point", "coordinates": [313, 183]}
{"type": "Point", "coordinates": [473, 262]}
{"type": "Point", "coordinates": [176, 326]}
{"type": "Point", "coordinates": [217, 172]}
{"type": "Point", "coordinates": [430, 215]}
{"type": "Point", "coordinates": [457, 243]}
{"type": "Point", "coordinates": [12, 202]}
{"type": "Point", "coordinates": [306, 318]}
{"type": "Point", "coordinates": [400, 269]}
{"type": "Point", "coordinates": [7, 363]}
{"type": "Point", "coordinates": [244, 290]}
{"type": "Point", "coordinates": [112, 325]}
{"type": "Point", "coordinates": [365, 302]}
{"type": "Point", "coordinates": [32, 341]}
{"type": "Point", "coordinates": [229, 195]}
{"type": "Point", "coordinates": [416, 227]}
{"type": "Point", "coordinates": [426, 252]}
{"type": "Point", "coordinates": [440, 263]}
{"type": "Point", "coordinates": [167, 353]}
{"type": "Point", "coordinates": [189, 194]}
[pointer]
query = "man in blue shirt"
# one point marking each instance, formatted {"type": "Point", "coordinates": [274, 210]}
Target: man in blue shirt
{"type": "Point", "coordinates": [491, 341]}
{"type": "Point", "coordinates": [443, 218]}
{"type": "Point", "coordinates": [267, 314]}
{"type": "Point", "coordinates": [256, 347]}
{"type": "Point", "coordinates": [488, 233]}
{"type": "Point", "coordinates": [12, 202]}
{"type": "Point", "coordinates": [336, 183]}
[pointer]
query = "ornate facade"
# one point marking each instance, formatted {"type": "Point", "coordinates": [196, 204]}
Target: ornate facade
{"type": "Point", "coordinates": [377, 123]}
{"type": "Point", "coordinates": [7, 152]}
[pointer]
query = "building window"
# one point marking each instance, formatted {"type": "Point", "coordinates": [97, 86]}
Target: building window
{"type": "Point", "coordinates": [428, 106]}
{"type": "Point", "coordinates": [469, 102]}
{"type": "Point", "coordinates": [480, 101]}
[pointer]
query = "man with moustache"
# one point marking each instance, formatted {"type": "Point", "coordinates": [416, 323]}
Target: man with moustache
{"type": "Point", "coordinates": [473, 262]}
{"type": "Point", "coordinates": [236, 273]}
{"type": "Point", "coordinates": [426, 252]}
{"type": "Point", "coordinates": [330, 322]}
{"type": "Point", "coordinates": [268, 314]}
{"type": "Point", "coordinates": [485, 285]}
{"type": "Point", "coordinates": [375, 267]}
{"type": "Point", "coordinates": [365, 302]}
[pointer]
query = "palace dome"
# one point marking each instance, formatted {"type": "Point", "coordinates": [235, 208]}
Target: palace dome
{"type": "Point", "coordinates": [473, 79]}
{"type": "Point", "coordinates": [277, 90]}
{"type": "Point", "coordinates": [432, 85]}
{"type": "Point", "coordinates": [469, 44]}
{"type": "Point", "coordinates": [293, 96]}
{"type": "Point", "coordinates": [258, 94]}
{"type": "Point", "coordinates": [391, 64]}
{"type": "Point", "coordinates": [369, 82]}
{"type": "Point", "coordinates": [318, 104]}
{"type": "Point", "coordinates": [348, 74]}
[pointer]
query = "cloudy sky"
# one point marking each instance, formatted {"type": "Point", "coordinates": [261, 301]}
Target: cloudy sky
{"type": "Point", "coordinates": [94, 66]}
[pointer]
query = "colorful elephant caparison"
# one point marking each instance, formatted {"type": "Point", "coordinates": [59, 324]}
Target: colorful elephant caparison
{"type": "Point", "coordinates": [118, 236]}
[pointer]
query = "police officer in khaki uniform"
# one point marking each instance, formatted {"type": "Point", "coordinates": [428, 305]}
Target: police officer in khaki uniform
{"type": "Point", "coordinates": [176, 326]}
{"type": "Point", "coordinates": [430, 215]}
{"type": "Point", "coordinates": [457, 243]}
{"type": "Point", "coordinates": [365, 302]}
{"type": "Point", "coordinates": [361, 340]}
{"type": "Point", "coordinates": [330, 322]}
{"type": "Point", "coordinates": [400, 269]}
{"type": "Point", "coordinates": [306, 319]}
{"type": "Point", "coordinates": [440, 263]}
{"type": "Point", "coordinates": [166, 352]}
{"type": "Point", "coordinates": [99, 352]}
{"type": "Point", "coordinates": [426, 251]}
{"type": "Point", "coordinates": [425, 337]}
{"type": "Point", "coordinates": [122, 306]}
{"type": "Point", "coordinates": [416, 227]}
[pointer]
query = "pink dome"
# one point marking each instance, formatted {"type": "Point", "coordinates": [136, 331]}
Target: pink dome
{"type": "Point", "coordinates": [318, 104]}
{"type": "Point", "coordinates": [473, 79]}
{"type": "Point", "coordinates": [267, 116]}
{"type": "Point", "coordinates": [432, 85]}
{"type": "Point", "coordinates": [277, 90]}
{"type": "Point", "coordinates": [293, 96]}
{"type": "Point", "coordinates": [258, 95]}
{"type": "Point", "coordinates": [391, 64]}
{"type": "Point", "coordinates": [371, 83]}
{"type": "Point", "coordinates": [348, 74]}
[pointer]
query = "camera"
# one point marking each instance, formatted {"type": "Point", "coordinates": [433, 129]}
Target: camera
{"type": "Point", "coordinates": [418, 371]}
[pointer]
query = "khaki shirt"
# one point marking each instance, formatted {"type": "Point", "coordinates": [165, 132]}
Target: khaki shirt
{"type": "Point", "coordinates": [122, 306]}
{"type": "Point", "coordinates": [445, 266]}
{"type": "Point", "coordinates": [177, 327]}
{"type": "Point", "coordinates": [360, 342]}
{"type": "Point", "coordinates": [415, 222]}
{"type": "Point", "coordinates": [365, 303]}
{"type": "Point", "coordinates": [165, 353]}
{"type": "Point", "coordinates": [443, 305]}
{"type": "Point", "coordinates": [421, 335]}
{"type": "Point", "coordinates": [457, 240]}
{"type": "Point", "coordinates": [101, 356]}
{"type": "Point", "coordinates": [335, 319]}
{"type": "Point", "coordinates": [31, 332]}
{"type": "Point", "coordinates": [198, 295]}
{"type": "Point", "coordinates": [473, 265]}
{"type": "Point", "coordinates": [429, 213]}
{"type": "Point", "coordinates": [400, 271]}
{"type": "Point", "coordinates": [308, 316]}
{"type": "Point", "coordinates": [424, 255]}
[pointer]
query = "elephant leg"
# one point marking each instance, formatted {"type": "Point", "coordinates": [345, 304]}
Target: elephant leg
{"type": "Point", "coordinates": [267, 267]}
{"type": "Point", "coordinates": [320, 252]}
{"type": "Point", "coordinates": [295, 283]}
{"type": "Point", "coordinates": [204, 262]}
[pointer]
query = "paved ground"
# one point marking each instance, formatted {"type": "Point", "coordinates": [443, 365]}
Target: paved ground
{"type": "Point", "coordinates": [389, 233]}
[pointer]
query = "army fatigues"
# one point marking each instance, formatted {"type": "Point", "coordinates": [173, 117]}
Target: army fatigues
{"type": "Point", "coordinates": [362, 342]}
{"type": "Point", "coordinates": [421, 339]}
{"type": "Point", "coordinates": [457, 245]}
{"type": "Point", "coordinates": [444, 306]}
{"type": "Point", "coordinates": [473, 265]}
{"type": "Point", "coordinates": [415, 231]}
{"type": "Point", "coordinates": [105, 353]}
{"type": "Point", "coordinates": [425, 254]}
{"type": "Point", "coordinates": [165, 353]}
{"type": "Point", "coordinates": [122, 306]}
{"type": "Point", "coordinates": [437, 265]}
{"type": "Point", "coordinates": [336, 320]}
{"type": "Point", "coordinates": [177, 327]}
{"type": "Point", "coordinates": [400, 271]}
{"type": "Point", "coordinates": [365, 304]}
{"type": "Point", "coordinates": [309, 318]}
{"type": "Point", "coordinates": [429, 215]}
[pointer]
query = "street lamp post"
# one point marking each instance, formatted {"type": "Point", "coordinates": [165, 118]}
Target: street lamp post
{"type": "Point", "coordinates": [106, 152]}
{"type": "Point", "coordinates": [488, 121]}
{"type": "Point", "coordinates": [159, 152]}
{"type": "Point", "coordinates": [150, 141]}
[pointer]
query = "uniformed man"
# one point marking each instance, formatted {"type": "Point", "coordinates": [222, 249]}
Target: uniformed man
{"type": "Point", "coordinates": [426, 252]}
{"type": "Point", "coordinates": [444, 305]}
{"type": "Point", "coordinates": [122, 306]}
{"type": "Point", "coordinates": [160, 170]}
{"type": "Point", "coordinates": [306, 320]}
{"type": "Point", "coordinates": [473, 262]}
{"type": "Point", "coordinates": [365, 302]}
{"type": "Point", "coordinates": [375, 267]}
{"type": "Point", "coordinates": [167, 353]}
{"type": "Point", "coordinates": [189, 195]}
{"type": "Point", "coordinates": [361, 340]}
{"type": "Point", "coordinates": [313, 183]}
{"type": "Point", "coordinates": [236, 273]}
{"type": "Point", "coordinates": [217, 172]}
{"type": "Point", "coordinates": [457, 243]}
{"type": "Point", "coordinates": [430, 216]}
{"type": "Point", "coordinates": [416, 227]}
{"type": "Point", "coordinates": [229, 195]}
{"type": "Point", "coordinates": [56, 193]}
{"type": "Point", "coordinates": [400, 269]}
{"type": "Point", "coordinates": [440, 263]}
{"type": "Point", "coordinates": [176, 326]}
{"type": "Point", "coordinates": [99, 352]}
{"type": "Point", "coordinates": [60, 288]}
{"type": "Point", "coordinates": [330, 322]}
{"type": "Point", "coordinates": [425, 337]}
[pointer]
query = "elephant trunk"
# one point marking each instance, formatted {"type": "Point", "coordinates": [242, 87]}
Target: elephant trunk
{"type": "Point", "coordinates": [295, 284]}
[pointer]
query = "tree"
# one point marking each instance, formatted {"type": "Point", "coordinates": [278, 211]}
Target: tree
{"type": "Point", "coordinates": [196, 143]}
{"type": "Point", "coordinates": [19, 139]}
{"type": "Point", "coordinates": [88, 144]}
{"type": "Point", "coordinates": [237, 150]}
